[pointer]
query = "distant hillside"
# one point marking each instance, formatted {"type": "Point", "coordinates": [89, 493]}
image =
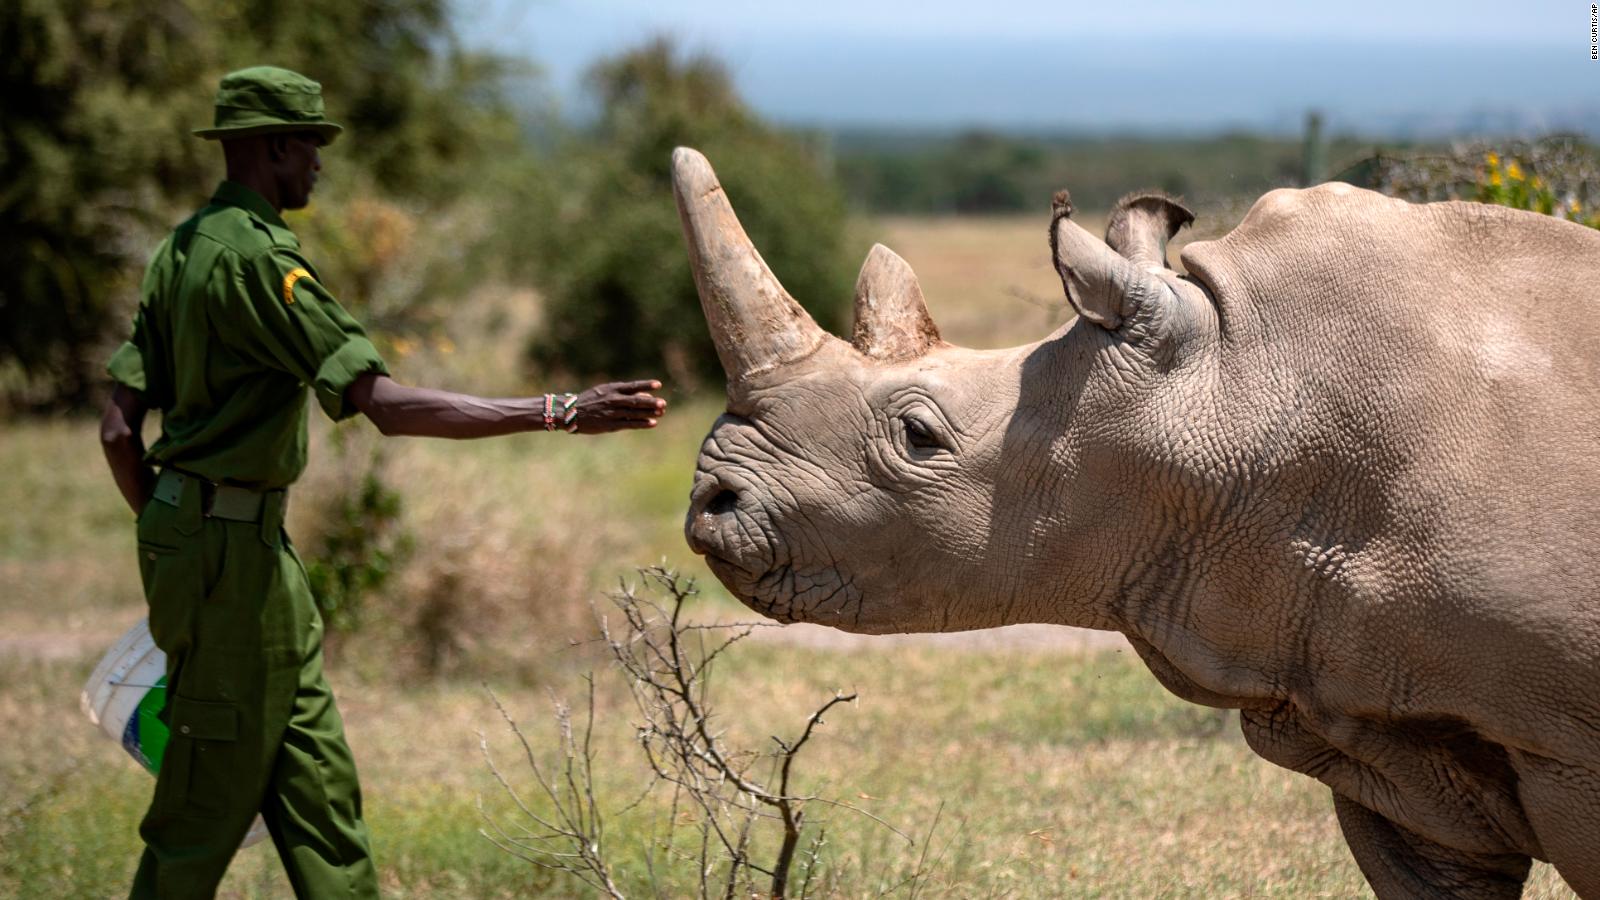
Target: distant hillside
{"type": "Point", "coordinates": [888, 171]}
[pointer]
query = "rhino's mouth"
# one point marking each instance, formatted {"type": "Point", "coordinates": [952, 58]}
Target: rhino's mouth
{"type": "Point", "coordinates": [788, 595]}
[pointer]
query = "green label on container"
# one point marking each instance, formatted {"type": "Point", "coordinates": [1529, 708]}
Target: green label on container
{"type": "Point", "coordinates": [145, 736]}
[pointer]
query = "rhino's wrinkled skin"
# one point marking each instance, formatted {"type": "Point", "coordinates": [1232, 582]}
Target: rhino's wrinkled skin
{"type": "Point", "coordinates": [1342, 478]}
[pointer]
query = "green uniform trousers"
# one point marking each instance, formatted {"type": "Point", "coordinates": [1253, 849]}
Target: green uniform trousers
{"type": "Point", "coordinates": [253, 722]}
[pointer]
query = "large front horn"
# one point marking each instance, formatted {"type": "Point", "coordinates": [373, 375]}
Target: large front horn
{"type": "Point", "coordinates": [756, 325]}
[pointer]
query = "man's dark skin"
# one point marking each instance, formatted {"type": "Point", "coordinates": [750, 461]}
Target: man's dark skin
{"type": "Point", "coordinates": [283, 169]}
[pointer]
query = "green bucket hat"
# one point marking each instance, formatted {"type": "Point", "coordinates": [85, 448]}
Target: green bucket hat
{"type": "Point", "coordinates": [267, 99]}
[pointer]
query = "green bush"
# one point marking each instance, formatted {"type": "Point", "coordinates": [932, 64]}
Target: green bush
{"type": "Point", "coordinates": [620, 297]}
{"type": "Point", "coordinates": [357, 546]}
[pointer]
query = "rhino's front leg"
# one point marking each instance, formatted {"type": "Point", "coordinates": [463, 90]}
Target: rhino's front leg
{"type": "Point", "coordinates": [1400, 865]}
{"type": "Point", "coordinates": [1563, 803]}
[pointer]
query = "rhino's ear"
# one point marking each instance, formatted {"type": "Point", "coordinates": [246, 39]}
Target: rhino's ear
{"type": "Point", "coordinates": [1141, 225]}
{"type": "Point", "coordinates": [892, 321]}
{"type": "Point", "coordinates": [1103, 286]}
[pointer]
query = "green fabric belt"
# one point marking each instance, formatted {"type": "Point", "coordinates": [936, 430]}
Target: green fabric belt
{"type": "Point", "coordinates": [218, 501]}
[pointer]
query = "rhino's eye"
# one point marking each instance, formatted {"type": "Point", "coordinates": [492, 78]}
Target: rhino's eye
{"type": "Point", "coordinates": [913, 445]}
{"type": "Point", "coordinates": [921, 436]}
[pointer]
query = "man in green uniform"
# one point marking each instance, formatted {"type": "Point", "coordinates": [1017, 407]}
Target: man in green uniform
{"type": "Point", "coordinates": [233, 326]}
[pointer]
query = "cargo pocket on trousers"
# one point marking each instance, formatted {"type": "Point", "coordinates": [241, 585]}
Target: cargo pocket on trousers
{"type": "Point", "coordinates": [200, 765]}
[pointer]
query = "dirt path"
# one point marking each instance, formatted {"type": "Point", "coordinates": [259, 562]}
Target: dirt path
{"type": "Point", "coordinates": [1058, 638]}
{"type": "Point", "coordinates": [56, 645]}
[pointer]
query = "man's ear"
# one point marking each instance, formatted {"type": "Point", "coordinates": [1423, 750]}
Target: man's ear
{"type": "Point", "coordinates": [278, 146]}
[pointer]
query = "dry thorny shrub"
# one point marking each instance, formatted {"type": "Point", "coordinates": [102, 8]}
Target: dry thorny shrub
{"type": "Point", "coordinates": [482, 585]}
{"type": "Point", "coordinates": [724, 801]}
{"type": "Point", "coordinates": [483, 597]}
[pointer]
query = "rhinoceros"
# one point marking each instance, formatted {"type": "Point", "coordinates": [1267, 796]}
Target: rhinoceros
{"type": "Point", "coordinates": [1341, 476]}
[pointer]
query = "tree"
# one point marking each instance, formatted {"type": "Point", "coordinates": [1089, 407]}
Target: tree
{"type": "Point", "coordinates": [620, 296]}
{"type": "Point", "coordinates": [96, 160]}
{"type": "Point", "coordinates": [90, 91]}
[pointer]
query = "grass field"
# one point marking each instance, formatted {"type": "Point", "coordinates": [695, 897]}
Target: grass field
{"type": "Point", "coordinates": [1021, 771]}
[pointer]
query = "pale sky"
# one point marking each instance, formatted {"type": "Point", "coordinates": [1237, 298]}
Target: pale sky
{"type": "Point", "coordinates": [1131, 64]}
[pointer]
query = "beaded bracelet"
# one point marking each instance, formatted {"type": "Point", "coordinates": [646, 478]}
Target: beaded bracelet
{"type": "Point", "coordinates": [568, 418]}
{"type": "Point", "coordinates": [569, 412]}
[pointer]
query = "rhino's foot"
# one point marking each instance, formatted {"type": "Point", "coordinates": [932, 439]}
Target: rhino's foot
{"type": "Point", "coordinates": [1403, 866]}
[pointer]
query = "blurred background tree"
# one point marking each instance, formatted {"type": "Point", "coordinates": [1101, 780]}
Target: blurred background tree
{"type": "Point", "coordinates": [96, 161]}
{"type": "Point", "coordinates": [93, 95]}
{"type": "Point", "coordinates": [620, 299]}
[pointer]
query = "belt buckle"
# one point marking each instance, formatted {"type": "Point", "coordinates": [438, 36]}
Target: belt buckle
{"type": "Point", "coordinates": [208, 497]}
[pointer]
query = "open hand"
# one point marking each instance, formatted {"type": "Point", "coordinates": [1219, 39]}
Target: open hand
{"type": "Point", "coordinates": [619, 405]}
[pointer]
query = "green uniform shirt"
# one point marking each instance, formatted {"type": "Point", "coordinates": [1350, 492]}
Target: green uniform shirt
{"type": "Point", "coordinates": [232, 326]}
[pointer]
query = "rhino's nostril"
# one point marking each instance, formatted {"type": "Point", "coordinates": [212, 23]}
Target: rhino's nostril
{"type": "Point", "coordinates": [724, 502]}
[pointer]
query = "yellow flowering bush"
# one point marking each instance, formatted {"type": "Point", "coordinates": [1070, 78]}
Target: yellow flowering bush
{"type": "Point", "coordinates": [1509, 181]}
{"type": "Point", "coordinates": [1556, 176]}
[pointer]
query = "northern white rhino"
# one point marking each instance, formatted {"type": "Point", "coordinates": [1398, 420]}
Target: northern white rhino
{"type": "Point", "coordinates": [1342, 477]}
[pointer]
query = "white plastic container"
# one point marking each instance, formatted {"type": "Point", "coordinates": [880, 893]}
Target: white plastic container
{"type": "Point", "coordinates": [125, 694]}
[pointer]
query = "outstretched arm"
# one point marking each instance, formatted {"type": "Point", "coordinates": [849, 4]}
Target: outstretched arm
{"type": "Point", "coordinates": [423, 412]}
{"type": "Point", "coordinates": [123, 444]}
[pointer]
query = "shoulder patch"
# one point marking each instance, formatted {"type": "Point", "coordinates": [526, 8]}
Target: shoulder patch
{"type": "Point", "coordinates": [294, 274]}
